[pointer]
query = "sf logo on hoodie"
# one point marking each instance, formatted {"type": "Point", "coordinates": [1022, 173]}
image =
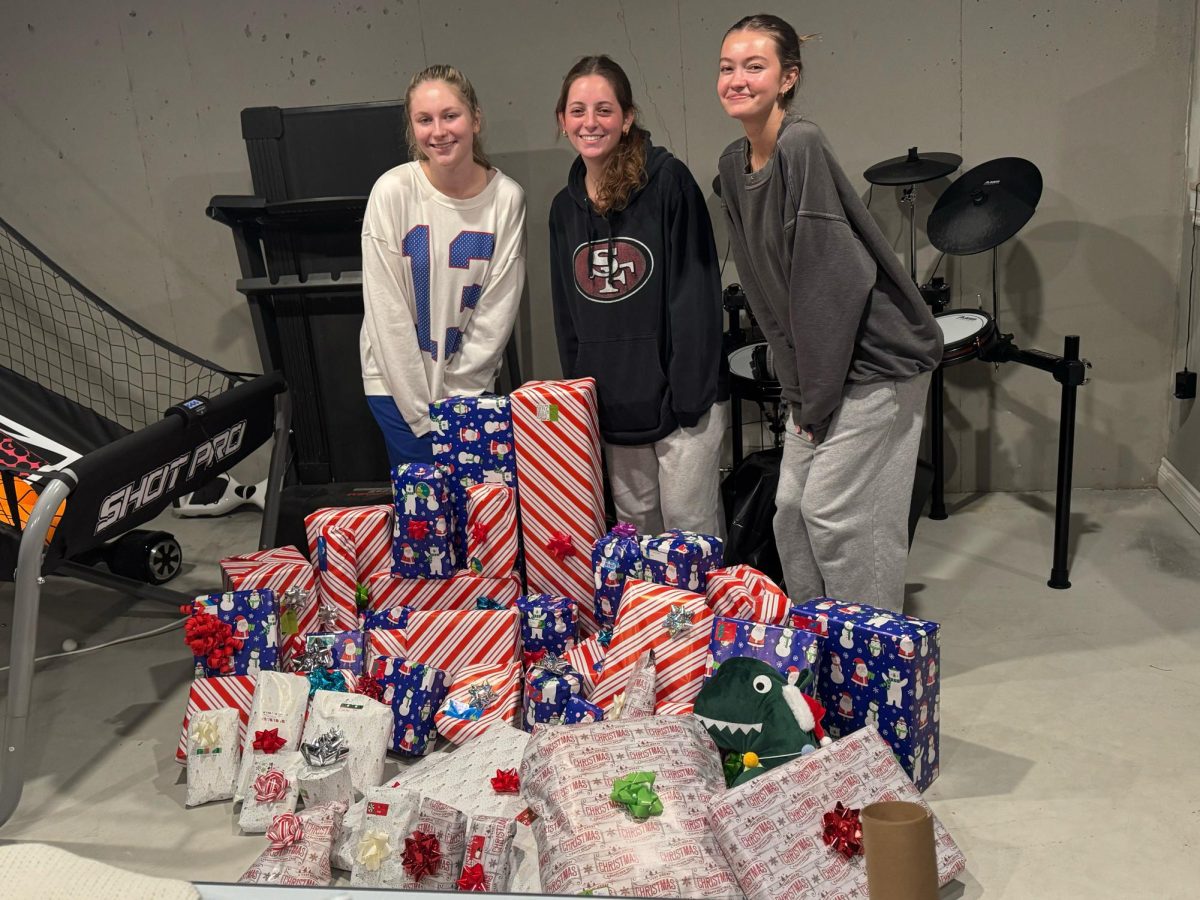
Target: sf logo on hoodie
{"type": "Point", "coordinates": [608, 271]}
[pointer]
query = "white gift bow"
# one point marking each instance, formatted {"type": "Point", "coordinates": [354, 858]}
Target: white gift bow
{"type": "Point", "coordinates": [373, 849]}
{"type": "Point", "coordinates": [207, 734]}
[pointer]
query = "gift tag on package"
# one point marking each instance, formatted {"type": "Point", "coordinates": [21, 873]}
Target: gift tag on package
{"type": "Point", "coordinates": [213, 756]}
{"type": "Point", "coordinates": [388, 816]}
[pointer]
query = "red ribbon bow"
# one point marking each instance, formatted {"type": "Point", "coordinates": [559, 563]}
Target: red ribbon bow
{"type": "Point", "coordinates": [268, 741]}
{"type": "Point", "coordinates": [212, 639]}
{"type": "Point", "coordinates": [506, 781]}
{"type": "Point", "coordinates": [479, 533]}
{"type": "Point", "coordinates": [472, 878]}
{"type": "Point", "coordinates": [417, 529]}
{"type": "Point", "coordinates": [533, 657]}
{"type": "Point", "coordinates": [843, 831]}
{"type": "Point", "coordinates": [422, 854]}
{"type": "Point", "coordinates": [285, 831]}
{"type": "Point", "coordinates": [560, 546]}
{"type": "Point", "coordinates": [369, 686]}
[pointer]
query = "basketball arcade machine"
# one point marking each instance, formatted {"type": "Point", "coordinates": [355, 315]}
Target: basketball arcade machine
{"type": "Point", "coordinates": [978, 212]}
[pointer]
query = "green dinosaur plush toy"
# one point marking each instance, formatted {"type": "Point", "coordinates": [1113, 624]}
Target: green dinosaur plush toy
{"type": "Point", "coordinates": [751, 709]}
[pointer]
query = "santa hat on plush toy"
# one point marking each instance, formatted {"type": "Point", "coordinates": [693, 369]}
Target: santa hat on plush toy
{"type": "Point", "coordinates": [808, 712]}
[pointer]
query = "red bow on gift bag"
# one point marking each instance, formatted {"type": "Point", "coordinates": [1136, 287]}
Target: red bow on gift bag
{"type": "Point", "coordinates": [418, 529]}
{"type": "Point", "coordinates": [268, 741]}
{"type": "Point", "coordinates": [843, 831]}
{"type": "Point", "coordinates": [506, 781]}
{"type": "Point", "coordinates": [422, 854]}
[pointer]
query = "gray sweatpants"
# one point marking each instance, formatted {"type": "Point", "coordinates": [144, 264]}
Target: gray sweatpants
{"type": "Point", "coordinates": [841, 521]}
{"type": "Point", "coordinates": [674, 482]}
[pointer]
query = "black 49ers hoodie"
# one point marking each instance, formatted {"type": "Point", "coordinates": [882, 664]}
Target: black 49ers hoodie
{"type": "Point", "coordinates": [637, 301]}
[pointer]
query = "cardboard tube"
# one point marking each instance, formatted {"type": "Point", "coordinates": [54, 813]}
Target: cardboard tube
{"type": "Point", "coordinates": [898, 844]}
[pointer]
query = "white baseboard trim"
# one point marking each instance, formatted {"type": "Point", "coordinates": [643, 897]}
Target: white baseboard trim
{"type": "Point", "coordinates": [1182, 493]}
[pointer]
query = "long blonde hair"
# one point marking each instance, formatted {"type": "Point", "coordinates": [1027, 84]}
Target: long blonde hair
{"type": "Point", "coordinates": [466, 92]}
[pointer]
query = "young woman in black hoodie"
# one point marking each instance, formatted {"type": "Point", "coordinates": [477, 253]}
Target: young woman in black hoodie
{"type": "Point", "coordinates": [636, 287]}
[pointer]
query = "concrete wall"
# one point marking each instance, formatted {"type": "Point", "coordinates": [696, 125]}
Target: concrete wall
{"type": "Point", "coordinates": [1183, 449]}
{"type": "Point", "coordinates": [118, 121]}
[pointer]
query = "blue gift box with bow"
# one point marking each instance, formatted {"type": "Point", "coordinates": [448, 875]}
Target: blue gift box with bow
{"type": "Point", "coordinates": [414, 692]}
{"type": "Point", "coordinates": [549, 684]}
{"type": "Point", "coordinates": [547, 623]}
{"type": "Point", "coordinates": [581, 712]}
{"type": "Point", "coordinates": [422, 543]}
{"type": "Point", "coordinates": [682, 559]}
{"type": "Point", "coordinates": [253, 617]}
{"type": "Point", "coordinates": [345, 649]}
{"type": "Point", "coordinates": [616, 556]}
{"type": "Point", "coordinates": [879, 668]}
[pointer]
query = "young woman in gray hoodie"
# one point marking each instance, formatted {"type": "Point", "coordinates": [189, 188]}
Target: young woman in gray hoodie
{"type": "Point", "coordinates": [853, 341]}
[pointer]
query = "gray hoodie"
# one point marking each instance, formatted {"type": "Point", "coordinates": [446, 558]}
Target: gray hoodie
{"type": "Point", "coordinates": [831, 297]}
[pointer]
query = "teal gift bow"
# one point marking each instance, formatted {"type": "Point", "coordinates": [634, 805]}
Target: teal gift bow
{"type": "Point", "coordinates": [635, 791]}
{"type": "Point", "coordinates": [322, 679]}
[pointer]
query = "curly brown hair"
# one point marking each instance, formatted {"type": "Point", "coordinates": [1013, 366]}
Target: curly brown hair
{"type": "Point", "coordinates": [625, 170]}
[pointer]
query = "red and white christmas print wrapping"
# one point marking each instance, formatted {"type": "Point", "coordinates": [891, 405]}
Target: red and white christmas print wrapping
{"type": "Point", "coordinates": [586, 658]}
{"type": "Point", "coordinates": [503, 679]}
{"type": "Point", "coordinates": [586, 841]}
{"type": "Point", "coordinates": [222, 692]}
{"type": "Point", "coordinates": [491, 529]}
{"type": "Point", "coordinates": [303, 859]}
{"type": "Point", "coordinates": [743, 592]}
{"type": "Point", "coordinates": [650, 618]}
{"type": "Point", "coordinates": [771, 827]}
{"type": "Point", "coordinates": [557, 438]}
{"type": "Point", "coordinates": [277, 570]}
{"type": "Point", "coordinates": [452, 640]}
{"type": "Point", "coordinates": [463, 591]}
{"type": "Point", "coordinates": [337, 583]}
{"type": "Point", "coordinates": [370, 530]}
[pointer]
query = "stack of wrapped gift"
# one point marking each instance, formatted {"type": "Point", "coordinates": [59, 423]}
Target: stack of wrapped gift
{"type": "Point", "coordinates": [422, 546]}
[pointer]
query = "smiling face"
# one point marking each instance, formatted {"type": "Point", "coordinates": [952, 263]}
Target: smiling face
{"type": "Point", "coordinates": [750, 77]}
{"type": "Point", "coordinates": [444, 127]}
{"type": "Point", "coordinates": [593, 119]}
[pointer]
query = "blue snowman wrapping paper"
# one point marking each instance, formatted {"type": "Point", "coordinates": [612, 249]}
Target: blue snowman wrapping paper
{"type": "Point", "coordinates": [345, 648]}
{"type": "Point", "coordinates": [581, 712]}
{"type": "Point", "coordinates": [422, 546]}
{"type": "Point", "coordinates": [616, 556]}
{"type": "Point", "coordinates": [879, 668]}
{"type": "Point", "coordinates": [547, 690]}
{"type": "Point", "coordinates": [389, 619]}
{"type": "Point", "coordinates": [682, 559]}
{"type": "Point", "coordinates": [414, 693]}
{"type": "Point", "coordinates": [786, 650]}
{"type": "Point", "coordinates": [254, 617]}
{"type": "Point", "coordinates": [473, 442]}
{"type": "Point", "coordinates": [547, 623]}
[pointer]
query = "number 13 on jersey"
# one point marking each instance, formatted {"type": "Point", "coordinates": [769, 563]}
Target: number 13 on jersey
{"type": "Point", "coordinates": [466, 246]}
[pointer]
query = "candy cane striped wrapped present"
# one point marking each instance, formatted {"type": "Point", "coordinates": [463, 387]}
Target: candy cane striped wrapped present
{"type": "Point", "coordinates": [491, 529]}
{"type": "Point", "coordinates": [452, 640]}
{"type": "Point", "coordinates": [562, 504]}
{"type": "Point", "coordinates": [463, 591]}
{"type": "Point", "coordinates": [334, 606]}
{"type": "Point", "coordinates": [480, 697]}
{"type": "Point", "coordinates": [383, 642]}
{"type": "Point", "coordinates": [587, 658]}
{"type": "Point", "coordinates": [676, 625]}
{"type": "Point", "coordinates": [743, 592]}
{"type": "Point", "coordinates": [221, 692]}
{"type": "Point", "coordinates": [275, 570]}
{"type": "Point", "coordinates": [370, 530]}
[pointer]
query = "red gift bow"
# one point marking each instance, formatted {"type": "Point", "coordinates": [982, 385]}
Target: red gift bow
{"type": "Point", "coordinates": [472, 878]}
{"type": "Point", "coordinates": [271, 786]}
{"type": "Point", "coordinates": [417, 529]}
{"type": "Point", "coordinates": [268, 741]}
{"type": "Point", "coordinates": [843, 831]}
{"type": "Point", "coordinates": [209, 637]}
{"type": "Point", "coordinates": [506, 781]}
{"type": "Point", "coordinates": [422, 854]}
{"type": "Point", "coordinates": [533, 657]}
{"type": "Point", "coordinates": [560, 546]}
{"type": "Point", "coordinates": [479, 534]}
{"type": "Point", "coordinates": [370, 687]}
{"type": "Point", "coordinates": [286, 830]}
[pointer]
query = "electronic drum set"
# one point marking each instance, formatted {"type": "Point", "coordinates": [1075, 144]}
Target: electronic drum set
{"type": "Point", "coordinates": [977, 213]}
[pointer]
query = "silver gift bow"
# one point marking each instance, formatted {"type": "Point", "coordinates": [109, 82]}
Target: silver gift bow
{"type": "Point", "coordinates": [315, 657]}
{"type": "Point", "coordinates": [482, 695]}
{"type": "Point", "coordinates": [677, 620]}
{"type": "Point", "coordinates": [551, 663]}
{"type": "Point", "coordinates": [327, 749]}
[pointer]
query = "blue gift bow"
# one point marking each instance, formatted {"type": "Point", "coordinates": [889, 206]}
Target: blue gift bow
{"type": "Point", "coordinates": [488, 603]}
{"type": "Point", "coordinates": [456, 709]}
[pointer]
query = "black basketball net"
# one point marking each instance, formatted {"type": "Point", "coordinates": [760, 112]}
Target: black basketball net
{"type": "Point", "coordinates": [57, 333]}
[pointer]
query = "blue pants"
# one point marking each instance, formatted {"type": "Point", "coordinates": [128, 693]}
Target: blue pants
{"type": "Point", "coordinates": [402, 445]}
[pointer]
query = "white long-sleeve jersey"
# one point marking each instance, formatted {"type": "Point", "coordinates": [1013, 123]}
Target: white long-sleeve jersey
{"type": "Point", "coordinates": [442, 281]}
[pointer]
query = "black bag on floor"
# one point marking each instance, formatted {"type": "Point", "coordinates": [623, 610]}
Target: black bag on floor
{"type": "Point", "coordinates": [748, 493]}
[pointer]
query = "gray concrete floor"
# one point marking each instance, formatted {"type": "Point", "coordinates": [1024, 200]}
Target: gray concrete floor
{"type": "Point", "coordinates": [1068, 717]}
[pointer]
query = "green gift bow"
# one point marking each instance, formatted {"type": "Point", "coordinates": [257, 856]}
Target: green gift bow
{"type": "Point", "coordinates": [636, 792]}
